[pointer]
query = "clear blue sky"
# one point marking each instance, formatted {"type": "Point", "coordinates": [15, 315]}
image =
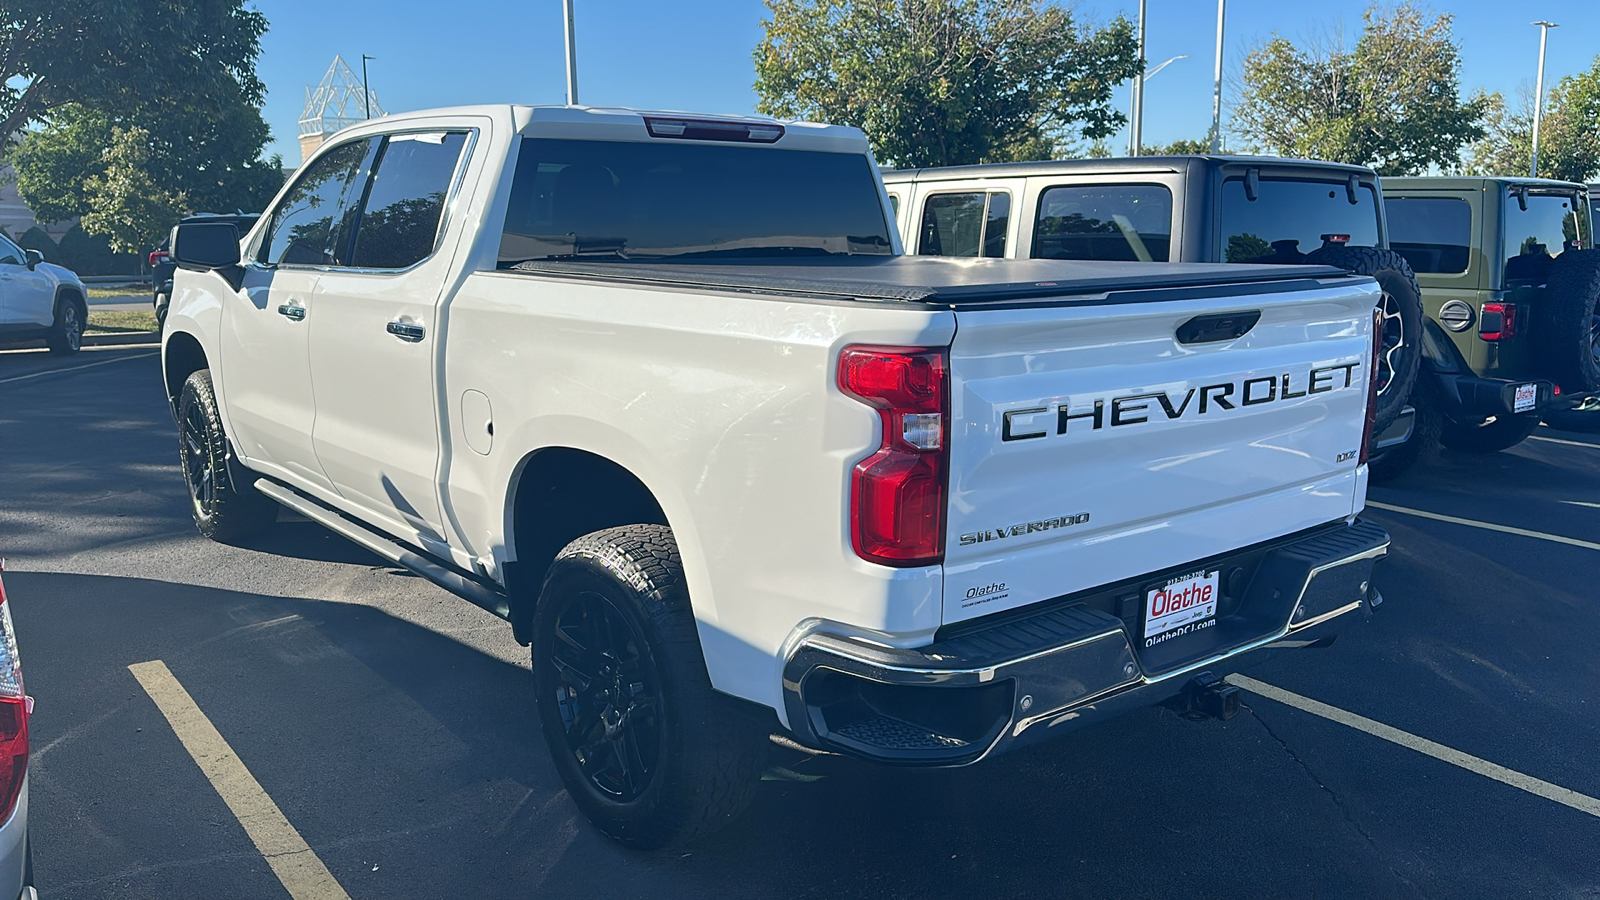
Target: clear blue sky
{"type": "Point", "coordinates": [695, 54]}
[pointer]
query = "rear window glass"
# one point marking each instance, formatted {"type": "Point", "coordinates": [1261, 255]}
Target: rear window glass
{"type": "Point", "coordinates": [1290, 219]}
{"type": "Point", "coordinates": [966, 224]}
{"type": "Point", "coordinates": [1130, 222]}
{"type": "Point", "coordinates": [672, 200]}
{"type": "Point", "coordinates": [1434, 234]}
{"type": "Point", "coordinates": [1535, 236]}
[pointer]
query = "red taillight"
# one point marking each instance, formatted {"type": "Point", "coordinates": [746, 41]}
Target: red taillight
{"type": "Point", "coordinates": [1498, 321]}
{"type": "Point", "coordinates": [13, 715]}
{"type": "Point", "coordinates": [897, 495]}
{"type": "Point", "coordinates": [1372, 384]}
{"type": "Point", "coordinates": [157, 257]}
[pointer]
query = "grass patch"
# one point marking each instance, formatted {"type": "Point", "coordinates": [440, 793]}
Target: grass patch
{"type": "Point", "coordinates": [121, 320]}
{"type": "Point", "coordinates": [102, 291]}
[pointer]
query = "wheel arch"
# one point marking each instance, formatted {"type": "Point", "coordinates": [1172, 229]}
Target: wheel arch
{"type": "Point", "coordinates": [76, 294]}
{"type": "Point", "coordinates": [181, 356]}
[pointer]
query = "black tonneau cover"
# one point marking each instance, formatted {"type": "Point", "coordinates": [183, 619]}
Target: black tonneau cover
{"type": "Point", "coordinates": [934, 279]}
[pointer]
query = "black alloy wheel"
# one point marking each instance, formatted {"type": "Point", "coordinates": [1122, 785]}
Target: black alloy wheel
{"type": "Point", "coordinates": [223, 511]}
{"type": "Point", "coordinates": [608, 695]}
{"type": "Point", "coordinates": [199, 469]}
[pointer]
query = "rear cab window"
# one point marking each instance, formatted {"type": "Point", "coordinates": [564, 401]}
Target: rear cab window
{"type": "Point", "coordinates": [1291, 218]}
{"type": "Point", "coordinates": [636, 200]}
{"type": "Point", "coordinates": [966, 223]}
{"type": "Point", "coordinates": [1552, 223]}
{"type": "Point", "coordinates": [1130, 222]}
{"type": "Point", "coordinates": [1434, 234]}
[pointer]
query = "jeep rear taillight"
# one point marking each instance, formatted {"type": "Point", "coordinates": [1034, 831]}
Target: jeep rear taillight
{"type": "Point", "coordinates": [897, 495]}
{"type": "Point", "coordinates": [14, 710]}
{"type": "Point", "coordinates": [1372, 384]}
{"type": "Point", "coordinates": [1498, 322]}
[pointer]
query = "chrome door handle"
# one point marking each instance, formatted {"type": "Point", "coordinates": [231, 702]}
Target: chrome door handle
{"type": "Point", "coordinates": [407, 331]}
{"type": "Point", "coordinates": [292, 311]}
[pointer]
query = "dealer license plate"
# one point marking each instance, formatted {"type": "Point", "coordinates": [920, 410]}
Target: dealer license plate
{"type": "Point", "coordinates": [1527, 398]}
{"type": "Point", "coordinates": [1182, 605]}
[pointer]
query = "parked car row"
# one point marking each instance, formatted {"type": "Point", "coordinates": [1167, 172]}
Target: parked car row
{"type": "Point", "coordinates": [39, 300]}
{"type": "Point", "coordinates": [1491, 305]}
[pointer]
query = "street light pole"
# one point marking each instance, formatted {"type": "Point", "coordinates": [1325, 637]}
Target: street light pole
{"type": "Point", "coordinates": [1149, 73]}
{"type": "Point", "coordinates": [366, 93]}
{"type": "Point", "coordinates": [1216, 97]}
{"type": "Point", "coordinates": [1136, 131]}
{"type": "Point", "coordinates": [1538, 94]}
{"type": "Point", "coordinates": [572, 56]}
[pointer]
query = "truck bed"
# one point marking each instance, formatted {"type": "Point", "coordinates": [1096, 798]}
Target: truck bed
{"type": "Point", "coordinates": [940, 281]}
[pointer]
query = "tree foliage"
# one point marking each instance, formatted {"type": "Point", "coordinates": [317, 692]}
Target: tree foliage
{"type": "Point", "coordinates": [946, 82]}
{"type": "Point", "coordinates": [1569, 132]}
{"type": "Point", "coordinates": [1392, 101]}
{"type": "Point", "coordinates": [111, 54]}
{"type": "Point", "coordinates": [1180, 147]}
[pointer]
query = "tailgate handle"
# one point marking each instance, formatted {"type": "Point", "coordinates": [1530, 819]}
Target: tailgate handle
{"type": "Point", "coordinates": [1218, 327]}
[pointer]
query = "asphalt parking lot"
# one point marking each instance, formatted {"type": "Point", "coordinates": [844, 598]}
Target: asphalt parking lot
{"type": "Point", "coordinates": [391, 724]}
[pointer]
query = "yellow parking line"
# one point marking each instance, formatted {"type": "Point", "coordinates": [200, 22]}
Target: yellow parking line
{"type": "Point", "coordinates": [1564, 796]}
{"type": "Point", "coordinates": [103, 362]}
{"type": "Point", "coordinates": [1487, 526]}
{"type": "Point", "coordinates": [292, 860]}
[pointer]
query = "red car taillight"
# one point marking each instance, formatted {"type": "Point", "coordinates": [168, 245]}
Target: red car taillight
{"type": "Point", "coordinates": [897, 495]}
{"type": "Point", "coordinates": [1498, 321]}
{"type": "Point", "coordinates": [14, 709]}
{"type": "Point", "coordinates": [1372, 384]}
{"type": "Point", "coordinates": [157, 257]}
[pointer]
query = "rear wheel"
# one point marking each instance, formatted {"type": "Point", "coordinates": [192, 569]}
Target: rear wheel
{"type": "Point", "coordinates": [650, 753]}
{"type": "Point", "coordinates": [1499, 433]}
{"type": "Point", "coordinates": [1423, 445]}
{"type": "Point", "coordinates": [66, 333]}
{"type": "Point", "coordinates": [223, 511]}
{"type": "Point", "coordinates": [1570, 337]}
{"type": "Point", "coordinates": [1402, 320]}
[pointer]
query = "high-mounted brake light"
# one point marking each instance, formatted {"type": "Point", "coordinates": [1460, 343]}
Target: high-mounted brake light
{"type": "Point", "coordinates": [1336, 238]}
{"type": "Point", "coordinates": [897, 495]}
{"type": "Point", "coordinates": [14, 710]}
{"type": "Point", "coordinates": [1498, 321]}
{"type": "Point", "coordinates": [1372, 385]}
{"type": "Point", "coordinates": [714, 130]}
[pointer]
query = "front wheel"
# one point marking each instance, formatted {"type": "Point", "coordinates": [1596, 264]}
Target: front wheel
{"type": "Point", "coordinates": [1499, 433]}
{"type": "Point", "coordinates": [223, 511]}
{"type": "Point", "coordinates": [66, 332]}
{"type": "Point", "coordinates": [647, 749]}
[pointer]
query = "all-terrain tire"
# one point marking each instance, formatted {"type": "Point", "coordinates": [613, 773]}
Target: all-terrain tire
{"type": "Point", "coordinates": [702, 752]}
{"type": "Point", "coordinates": [1402, 305]}
{"type": "Point", "coordinates": [223, 510]}
{"type": "Point", "coordinates": [1500, 433]}
{"type": "Point", "coordinates": [1569, 331]}
{"type": "Point", "coordinates": [66, 332]}
{"type": "Point", "coordinates": [1423, 445]}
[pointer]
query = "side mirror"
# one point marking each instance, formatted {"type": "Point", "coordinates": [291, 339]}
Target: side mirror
{"type": "Point", "coordinates": [33, 257]}
{"type": "Point", "coordinates": [205, 246]}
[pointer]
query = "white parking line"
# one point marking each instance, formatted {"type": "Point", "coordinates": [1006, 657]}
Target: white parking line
{"type": "Point", "coordinates": [1487, 526]}
{"type": "Point", "coordinates": [1581, 503]}
{"type": "Point", "coordinates": [299, 869]}
{"type": "Point", "coordinates": [103, 362]}
{"type": "Point", "coordinates": [1564, 796]}
{"type": "Point", "coordinates": [1535, 437]}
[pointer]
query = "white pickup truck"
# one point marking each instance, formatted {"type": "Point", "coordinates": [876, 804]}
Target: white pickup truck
{"type": "Point", "coordinates": [663, 392]}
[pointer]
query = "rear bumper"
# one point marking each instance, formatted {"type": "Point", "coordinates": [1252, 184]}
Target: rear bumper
{"type": "Point", "coordinates": [982, 692]}
{"type": "Point", "coordinates": [1470, 398]}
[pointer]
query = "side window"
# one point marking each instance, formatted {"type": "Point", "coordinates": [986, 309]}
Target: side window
{"type": "Point", "coordinates": [1434, 234]}
{"type": "Point", "coordinates": [11, 254]}
{"type": "Point", "coordinates": [307, 223]}
{"type": "Point", "coordinates": [894, 204]}
{"type": "Point", "coordinates": [1130, 222]}
{"type": "Point", "coordinates": [965, 224]}
{"type": "Point", "coordinates": [1550, 225]}
{"type": "Point", "coordinates": [399, 222]}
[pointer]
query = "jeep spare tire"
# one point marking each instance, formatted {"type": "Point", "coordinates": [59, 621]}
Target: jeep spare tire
{"type": "Point", "coordinates": [1570, 337]}
{"type": "Point", "coordinates": [1402, 321]}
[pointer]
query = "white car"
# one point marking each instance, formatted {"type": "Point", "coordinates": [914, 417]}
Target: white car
{"type": "Point", "coordinates": [39, 300]}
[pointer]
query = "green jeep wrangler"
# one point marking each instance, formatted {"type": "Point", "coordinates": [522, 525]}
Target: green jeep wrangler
{"type": "Point", "coordinates": [1511, 290]}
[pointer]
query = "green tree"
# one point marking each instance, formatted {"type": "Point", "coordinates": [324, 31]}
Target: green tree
{"type": "Point", "coordinates": [112, 54]}
{"type": "Point", "coordinates": [125, 203]}
{"type": "Point", "coordinates": [1393, 101]}
{"type": "Point", "coordinates": [1180, 147]}
{"type": "Point", "coordinates": [1569, 132]}
{"type": "Point", "coordinates": [946, 82]}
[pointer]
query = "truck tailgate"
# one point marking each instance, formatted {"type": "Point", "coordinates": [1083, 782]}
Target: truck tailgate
{"type": "Point", "coordinates": [1094, 442]}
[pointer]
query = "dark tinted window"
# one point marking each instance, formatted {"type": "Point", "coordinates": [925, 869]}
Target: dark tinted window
{"type": "Point", "coordinates": [400, 220]}
{"type": "Point", "coordinates": [11, 254]}
{"type": "Point", "coordinates": [1434, 234]}
{"type": "Point", "coordinates": [967, 224]}
{"type": "Point", "coordinates": [1105, 221]}
{"type": "Point", "coordinates": [667, 199]}
{"type": "Point", "coordinates": [1536, 236]}
{"type": "Point", "coordinates": [1289, 219]}
{"type": "Point", "coordinates": [894, 203]}
{"type": "Point", "coordinates": [303, 228]}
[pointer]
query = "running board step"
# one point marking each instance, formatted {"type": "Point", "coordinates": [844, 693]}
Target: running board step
{"type": "Point", "coordinates": [399, 554]}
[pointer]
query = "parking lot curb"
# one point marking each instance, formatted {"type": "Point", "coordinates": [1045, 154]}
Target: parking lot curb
{"type": "Point", "coordinates": [108, 340]}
